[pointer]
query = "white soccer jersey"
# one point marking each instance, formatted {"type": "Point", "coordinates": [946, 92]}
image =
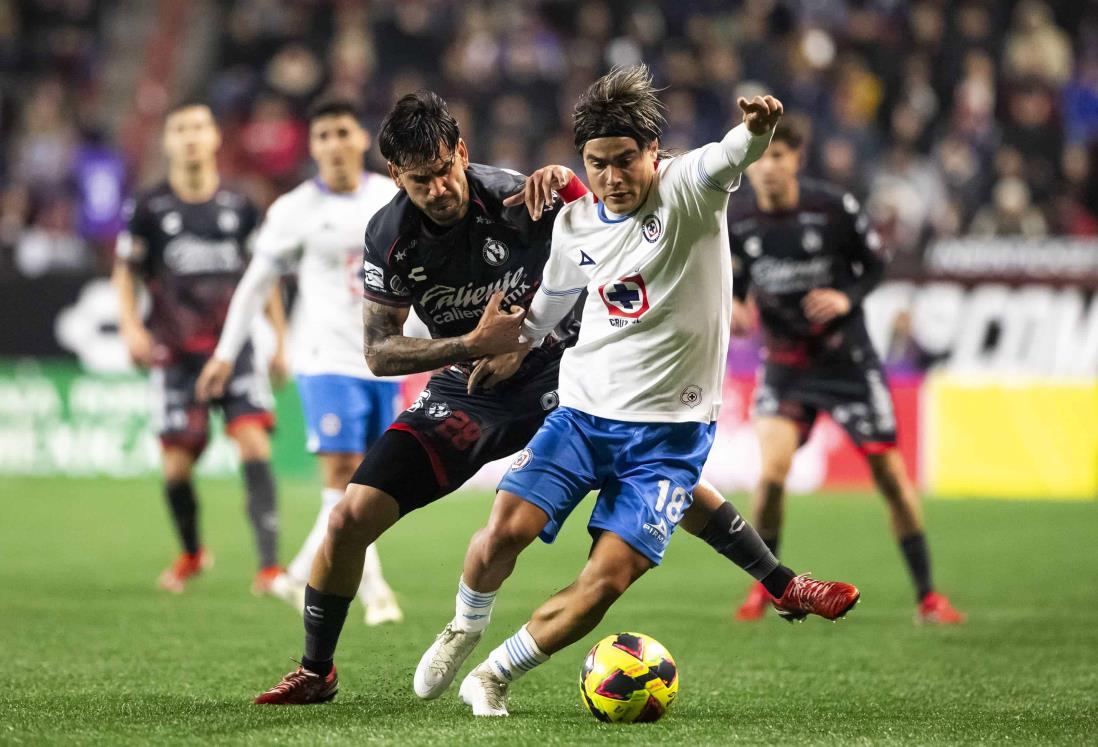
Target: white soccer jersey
{"type": "Point", "coordinates": [320, 232]}
{"type": "Point", "coordinates": [654, 337]}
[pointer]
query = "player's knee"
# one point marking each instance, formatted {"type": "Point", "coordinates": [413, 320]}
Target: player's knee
{"type": "Point", "coordinates": [345, 524]}
{"type": "Point", "coordinates": [504, 539]}
{"type": "Point", "coordinates": [601, 591]}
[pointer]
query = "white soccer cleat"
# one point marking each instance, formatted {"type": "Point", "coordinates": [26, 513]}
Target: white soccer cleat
{"type": "Point", "coordinates": [382, 609]}
{"type": "Point", "coordinates": [288, 589]}
{"type": "Point", "coordinates": [485, 692]}
{"type": "Point", "coordinates": [440, 663]}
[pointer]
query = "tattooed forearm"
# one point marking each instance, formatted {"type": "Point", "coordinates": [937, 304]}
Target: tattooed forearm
{"type": "Point", "coordinates": [390, 353]}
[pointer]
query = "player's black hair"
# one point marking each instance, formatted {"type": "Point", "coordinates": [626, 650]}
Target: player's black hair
{"type": "Point", "coordinates": [622, 103]}
{"type": "Point", "coordinates": [416, 129]}
{"type": "Point", "coordinates": [187, 102]}
{"type": "Point", "coordinates": [333, 106]}
{"type": "Point", "coordinates": [790, 133]}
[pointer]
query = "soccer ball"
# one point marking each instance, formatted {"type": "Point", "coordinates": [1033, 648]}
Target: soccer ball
{"type": "Point", "coordinates": [628, 677]}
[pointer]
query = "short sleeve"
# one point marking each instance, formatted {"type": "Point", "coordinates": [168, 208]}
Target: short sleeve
{"type": "Point", "coordinates": [134, 239]}
{"type": "Point", "coordinates": [381, 282]}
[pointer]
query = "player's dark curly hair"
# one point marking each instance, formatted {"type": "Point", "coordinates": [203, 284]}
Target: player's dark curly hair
{"type": "Point", "coordinates": [333, 106]}
{"type": "Point", "coordinates": [622, 103]}
{"type": "Point", "coordinates": [789, 132]}
{"type": "Point", "coordinates": [416, 129]}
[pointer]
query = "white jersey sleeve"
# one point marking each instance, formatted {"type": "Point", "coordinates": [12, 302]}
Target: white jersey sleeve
{"type": "Point", "coordinates": [561, 285]}
{"type": "Point", "coordinates": [280, 237]}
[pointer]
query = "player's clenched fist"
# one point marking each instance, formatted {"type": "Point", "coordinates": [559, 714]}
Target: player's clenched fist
{"type": "Point", "coordinates": [498, 330]}
{"type": "Point", "coordinates": [761, 113]}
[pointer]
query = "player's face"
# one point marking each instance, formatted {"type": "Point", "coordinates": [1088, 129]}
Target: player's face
{"type": "Point", "coordinates": [191, 136]}
{"type": "Point", "coordinates": [619, 171]}
{"type": "Point", "coordinates": [776, 171]}
{"type": "Point", "coordinates": [337, 144]}
{"type": "Point", "coordinates": [439, 189]}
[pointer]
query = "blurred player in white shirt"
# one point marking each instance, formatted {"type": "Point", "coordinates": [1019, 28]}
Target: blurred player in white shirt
{"type": "Point", "coordinates": [317, 230]}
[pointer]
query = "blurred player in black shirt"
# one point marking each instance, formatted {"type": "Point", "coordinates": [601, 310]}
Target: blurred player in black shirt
{"type": "Point", "coordinates": [185, 240]}
{"type": "Point", "coordinates": [806, 255]}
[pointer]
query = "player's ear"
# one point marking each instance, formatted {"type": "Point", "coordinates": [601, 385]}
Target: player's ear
{"type": "Point", "coordinates": [394, 174]}
{"type": "Point", "coordinates": [463, 153]}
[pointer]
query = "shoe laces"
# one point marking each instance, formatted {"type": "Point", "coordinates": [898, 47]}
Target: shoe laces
{"type": "Point", "coordinates": [495, 691]}
{"type": "Point", "coordinates": [809, 592]}
{"type": "Point", "coordinates": [292, 680]}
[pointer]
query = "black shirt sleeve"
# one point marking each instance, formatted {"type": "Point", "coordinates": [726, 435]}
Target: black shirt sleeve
{"type": "Point", "coordinates": [136, 239]}
{"type": "Point", "coordinates": [381, 282]}
{"type": "Point", "coordinates": [861, 245]}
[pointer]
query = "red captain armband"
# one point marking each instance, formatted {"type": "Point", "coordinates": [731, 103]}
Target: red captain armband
{"type": "Point", "coordinates": [573, 190]}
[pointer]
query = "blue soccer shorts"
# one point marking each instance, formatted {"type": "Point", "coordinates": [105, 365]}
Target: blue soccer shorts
{"type": "Point", "coordinates": [345, 414]}
{"type": "Point", "coordinates": [645, 474]}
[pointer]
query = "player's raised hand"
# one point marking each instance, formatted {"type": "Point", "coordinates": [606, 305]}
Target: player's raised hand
{"type": "Point", "coordinates": [498, 330]}
{"type": "Point", "coordinates": [211, 382]}
{"type": "Point", "coordinates": [493, 369]}
{"type": "Point", "coordinates": [538, 191]}
{"type": "Point", "coordinates": [824, 304]}
{"type": "Point", "coordinates": [761, 113]}
{"type": "Point", "coordinates": [139, 344]}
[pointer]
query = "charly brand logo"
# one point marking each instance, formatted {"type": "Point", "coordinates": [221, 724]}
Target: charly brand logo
{"type": "Point", "coordinates": [651, 228]}
{"type": "Point", "coordinates": [495, 252]}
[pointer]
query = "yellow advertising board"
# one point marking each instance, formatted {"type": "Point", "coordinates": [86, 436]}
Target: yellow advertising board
{"type": "Point", "coordinates": [1006, 437]}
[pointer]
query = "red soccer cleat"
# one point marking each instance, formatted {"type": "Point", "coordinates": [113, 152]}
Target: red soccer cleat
{"type": "Point", "coordinates": [935, 609]}
{"type": "Point", "coordinates": [186, 566]}
{"type": "Point", "coordinates": [805, 596]}
{"type": "Point", "coordinates": [301, 687]}
{"type": "Point", "coordinates": [757, 603]}
{"type": "Point", "coordinates": [265, 580]}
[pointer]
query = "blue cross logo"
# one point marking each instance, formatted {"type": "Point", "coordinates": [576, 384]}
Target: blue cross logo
{"type": "Point", "coordinates": [623, 296]}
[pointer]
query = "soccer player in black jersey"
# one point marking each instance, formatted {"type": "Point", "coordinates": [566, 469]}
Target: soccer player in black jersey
{"type": "Point", "coordinates": [185, 240]}
{"type": "Point", "coordinates": [466, 244]}
{"type": "Point", "coordinates": [806, 255]}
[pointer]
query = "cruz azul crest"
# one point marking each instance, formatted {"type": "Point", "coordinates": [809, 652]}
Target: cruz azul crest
{"type": "Point", "coordinates": [626, 297]}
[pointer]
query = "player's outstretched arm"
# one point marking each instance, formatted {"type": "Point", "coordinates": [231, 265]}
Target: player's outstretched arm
{"type": "Point", "coordinates": [390, 353]}
{"type": "Point", "coordinates": [745, 142]}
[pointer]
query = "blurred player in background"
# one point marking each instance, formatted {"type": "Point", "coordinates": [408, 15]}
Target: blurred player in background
{"type": "Point", "coordinates": [316, 230]}
{"type": "Point", "coordinates": [185, 239]}
{"type": "Point", "coordinates": [806, 254]}
{"type": "Point", "coordinates": [641, 388]}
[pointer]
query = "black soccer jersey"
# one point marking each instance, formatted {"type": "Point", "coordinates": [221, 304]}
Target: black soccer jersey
{"type": "Point", "coordinates": [191, 257]}
{"type": "Point", "coordinates": [448, 276]}
{"type": "Point", "coordinates": [825, 242]}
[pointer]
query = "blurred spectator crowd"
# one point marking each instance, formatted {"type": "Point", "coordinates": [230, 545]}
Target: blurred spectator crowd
{"type": "Point", "coordinates": [951, 117]}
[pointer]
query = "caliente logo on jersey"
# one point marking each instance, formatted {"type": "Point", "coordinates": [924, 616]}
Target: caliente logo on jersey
{"type": "Point", "coordinates": [626, 297]}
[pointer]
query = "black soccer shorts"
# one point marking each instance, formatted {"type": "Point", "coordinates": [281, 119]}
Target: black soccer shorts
{"type": "Point", "coordinates": [855, 395]}
{"type": "Point", "coordinates": [182, 421]}
{"type": "Point", "coordinates": [447, 434]}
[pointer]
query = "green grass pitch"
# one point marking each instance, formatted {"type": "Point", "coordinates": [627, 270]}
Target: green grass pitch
{"type": "Point", "coordinates": [94, 655]}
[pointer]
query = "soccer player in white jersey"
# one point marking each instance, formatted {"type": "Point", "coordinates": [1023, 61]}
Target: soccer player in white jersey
{"type": "Point", "coordinates": [317, 229]}
{"type": "Point", "coordinates": [640, 391]}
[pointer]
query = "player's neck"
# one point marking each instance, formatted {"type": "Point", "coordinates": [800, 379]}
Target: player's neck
{"type": "Point", "coordinates": [194, 184]}
{"type": "Point", "coordinates": [786, 200]}
{"type": "Point", "coordinates": [342, 185]}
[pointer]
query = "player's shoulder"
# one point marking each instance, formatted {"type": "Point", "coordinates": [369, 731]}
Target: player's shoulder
{"type": "Point", "coordinates": [492, 183]}
{"type": "Point", "coordinates": [301, 196]}
{"type": "Point", "coordinates": [398, 217]}
{"type": "Point", "coordinates": [819, 195]}
{"type": "Point", "coordinates": [232, 198]}
{"type": "Point", "coordinates": [576, 214]}
{"type": "Point", "coordinates": [156, 197]}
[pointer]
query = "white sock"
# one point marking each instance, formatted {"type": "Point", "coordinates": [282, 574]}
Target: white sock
{"type": "Point", "coordinates": [302, 564]}
{"type": "Point", "coordinates": [516, 656]}
{"type": "Point", "coordinates": [373, 584]}
{"type": "Point", "coordinates": [472, 609]}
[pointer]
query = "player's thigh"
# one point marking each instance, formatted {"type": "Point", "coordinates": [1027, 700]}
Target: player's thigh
{"type": "Point", "coordinates": [652, 485]}
{"type": "Point", "coordinates": [404, 465]}
{"type": "Point", "coordinates": [336, 409]}
{"type": "Point", "coordinates": [861, 404]}
{"type": "Point", "coordinates": [556, 469]}
{"type": "Point", "coordinates": [181, 422]}
{"type": "Point", "coordinates": [779, 438]}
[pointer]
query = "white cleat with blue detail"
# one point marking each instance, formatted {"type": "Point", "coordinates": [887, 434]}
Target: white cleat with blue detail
{"type": "Point", "coordinates": [485, 692]}
{"type": "Point", "coordinates": [440, 663]}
